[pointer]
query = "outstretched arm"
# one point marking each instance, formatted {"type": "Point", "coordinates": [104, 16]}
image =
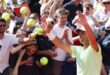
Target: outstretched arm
{"type": "Point", "coordinates": [45, 6]}
{"type": "Point", "coordinates": [89, 32]}
{"type": "Point", "coordinates": [52, 9]}
{"type": "Point", "coordinates": [58, 42]}
{"type": "Point", "coordinates": [15, 71]}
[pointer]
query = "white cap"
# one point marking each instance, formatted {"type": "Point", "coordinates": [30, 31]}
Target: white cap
{"type": "Point", "coordinates": [81, 28]}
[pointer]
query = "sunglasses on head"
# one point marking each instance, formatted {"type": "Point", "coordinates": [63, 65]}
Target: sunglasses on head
{"type": "Point", "coordinates": [106, 3]}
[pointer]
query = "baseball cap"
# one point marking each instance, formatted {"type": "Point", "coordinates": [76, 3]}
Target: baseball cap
{"type": "Point", "coordinates": [79, 28]}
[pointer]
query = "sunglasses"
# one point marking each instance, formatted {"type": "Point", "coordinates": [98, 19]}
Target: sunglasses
{"type": "Point", "coordinates": [106, 3]}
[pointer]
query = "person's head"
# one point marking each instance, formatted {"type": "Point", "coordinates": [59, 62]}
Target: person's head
{"type": "Point", "coordinates": [3, 26]}
{"type": "Point", "coordinates": [32, 48]}
{"type": "Point", "coordinates": [62, 15]}
{"type": "Point", "coordinates": [34, 16]}
{"type": "Point", "coordinates": [88, 8]}
{"type": "Point", "coordinates": [106, 4]}
{"type": "Point", "coordinates": [82, 33]}
{"type": "Point", "coordinates": [44, 14]}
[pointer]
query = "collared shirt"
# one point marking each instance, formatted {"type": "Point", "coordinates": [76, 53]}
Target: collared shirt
{"type": "Point", "coordinates": [6, 45]}
{"type": "Point", "coordinates": [88, 60]}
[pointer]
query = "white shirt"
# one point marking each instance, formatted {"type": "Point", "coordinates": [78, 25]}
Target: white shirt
{"type": "Point", "coordinates": [61, 54]}
{"type": "Point", "coordinates": [107, 24]}
{"type": "Point", "coordinates": [6, 43]}
{"type": "Point", "coordinates": [11, 26]}
{"type": "Point", "coordinates": [88, 61]}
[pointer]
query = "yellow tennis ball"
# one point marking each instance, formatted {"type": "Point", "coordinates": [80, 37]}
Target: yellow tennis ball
{"type": "Point", "coordinates": [6, 16]}
{"type": "Point", "coordinates": [24, 10]}
{"type": "Point", "coordinates": [39, 31]}
{"type": "Point", "coordinates": [31, 22]}
{"type": "Point", "coordinates": [44, 60]}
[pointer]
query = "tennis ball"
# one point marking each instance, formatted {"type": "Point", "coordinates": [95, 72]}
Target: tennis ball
{"type": "Point", "coordinates": [49, 20]}
{"type": "Point", "coordinates": [44, 60]}
{"type": "Point", "coordinates": [6, 16]}
{"type": "Point", "coordinates": [39, 31]}
{"type": "Point", "coordinates": [23, 10]}
{"type": "Point", "coordinates": [31, 23]}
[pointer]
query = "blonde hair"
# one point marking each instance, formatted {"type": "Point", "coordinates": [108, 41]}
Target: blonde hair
{"type": "Point", "coordinates": [62, 11]}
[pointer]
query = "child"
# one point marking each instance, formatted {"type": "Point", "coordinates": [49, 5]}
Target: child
{"type": "Point", "coordinates": [27, 61]}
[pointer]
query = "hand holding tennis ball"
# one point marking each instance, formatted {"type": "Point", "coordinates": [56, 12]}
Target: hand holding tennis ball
{"type": "Point", "coordinates": [31, 23]}
{"type": "Point", "coordinates": [49, 20]}
{"type": "Point", "coordinates": [24, 10]}
{"type": "Point", "coordinates": [6, 16]}
{"type": "Point", "coordinates": [44, 60]}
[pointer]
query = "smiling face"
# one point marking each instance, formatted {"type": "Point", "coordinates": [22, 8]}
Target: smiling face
{"type": "Point", "coordinates": [62, 15]}
{"type": "Point", "coordinates": [62, 19]}
{"type": "Point", "coordinates": [32, 49]}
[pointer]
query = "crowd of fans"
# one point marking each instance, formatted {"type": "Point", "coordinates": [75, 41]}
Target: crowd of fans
{"type": "Point", "coordinates": [23, 44]}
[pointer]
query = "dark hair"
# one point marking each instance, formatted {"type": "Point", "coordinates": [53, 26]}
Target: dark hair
{"type": "Point", "coordinates": [2, 20]}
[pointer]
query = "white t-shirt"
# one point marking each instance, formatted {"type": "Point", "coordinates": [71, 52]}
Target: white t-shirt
{"type": "Point", "coordinates": [58, 31]}
{"type": "Point", "coordinates": [6, 46]}
{"type": "Point", "coordinates": [88, 61]}
{"type": "Point", "coordinates": [11, 26]}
